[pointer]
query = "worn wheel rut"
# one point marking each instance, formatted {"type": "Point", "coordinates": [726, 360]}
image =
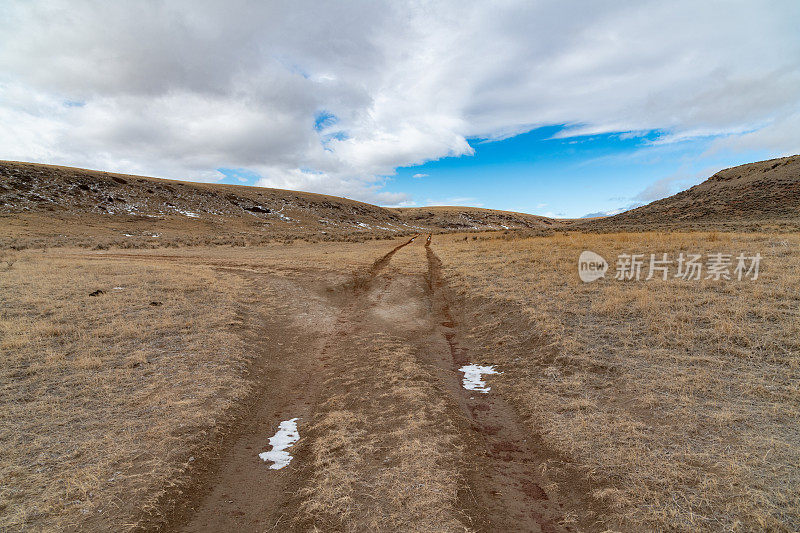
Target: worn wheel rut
{"type": "Point", "coordinates": [236, 490]}
{"type": "Point", "coordinates": [506, 481]}
{"type": "Point", "coordinates": [388, 337]}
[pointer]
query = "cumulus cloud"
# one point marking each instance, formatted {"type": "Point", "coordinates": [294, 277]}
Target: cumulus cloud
{"type": "Point", "coordinates": [420, 176]}
{"type": "Point", "coordinates": [365, 189]}
{"type": "Point", "coordinates": [333, 97]}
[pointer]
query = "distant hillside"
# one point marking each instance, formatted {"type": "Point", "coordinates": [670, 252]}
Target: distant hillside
{"type": "Point", "coordinates": [471, 218]}
{"type": "Point", "coordinates": [765, 194]}
{"type": "Point", "coordinates": [51, 205]}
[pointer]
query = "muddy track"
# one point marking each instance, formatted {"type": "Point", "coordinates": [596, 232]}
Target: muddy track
{"type": "Point", "coordinates": [228, 491]}
{"type": "Point", "coordinates": [363, 279]}
{"type": "Point", "coordinates": [506, 481]}
{"type": "Point", "coordinates": [381, 263]}
{"type": "Point", "coordinates": [504, 486]}
{"type": "Point", "coordinates": [233, 489]}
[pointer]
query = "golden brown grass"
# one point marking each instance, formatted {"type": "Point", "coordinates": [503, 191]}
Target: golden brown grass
{"type": "Point", "coordinates": [104, 399]}
{"type": "Point", "coordinates": [22, 231]}
{"type": "Point", "coordinates": [388, 463]}
{"type": "Point", "coordinates": [100, 397]}
{"type": "Point", "coordinates": [679, 399]}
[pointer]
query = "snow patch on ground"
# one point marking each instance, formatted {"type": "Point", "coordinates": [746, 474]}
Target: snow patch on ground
{"type": "Point", "coordinates": [190, 214]}
{"type": "Point", "coordinates": [473, 377]}
{"type": "Point", "coordinates": [286, 436]}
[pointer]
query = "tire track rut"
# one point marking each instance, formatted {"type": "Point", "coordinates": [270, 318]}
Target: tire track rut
{"type": "Point", "coordinates": [506, 482]}
{"type": "Point", "coordinates": [504, 487]}
{"type": "Point", "coordinates": [234, 489]}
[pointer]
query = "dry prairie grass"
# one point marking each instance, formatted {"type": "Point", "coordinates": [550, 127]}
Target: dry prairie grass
{"type": "Point", "coordinates": [679, 399]}
{"type": "Point", "coordinates": [389, 463]}
{"type": "Point", "coordinates": [37, 231]}
{"type": "Point", "coordinates": [101, 397]}
{"type": "Point", "coordinates": [297, 256]}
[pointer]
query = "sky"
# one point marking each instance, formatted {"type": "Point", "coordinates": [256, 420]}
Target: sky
{"type": "Point", "coordinates": [556, 108]}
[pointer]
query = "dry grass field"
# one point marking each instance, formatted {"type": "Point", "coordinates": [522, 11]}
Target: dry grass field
{"type": "Point", "coordinates": [104, 399]}
{"type": "Point", "coordinates": [622, 405]}
{"type": "Point", "coordinates": [204, 352]}
{"type": "Point", "coordinates": [102, 395]}
{"type": "Point", "coordinates": [680, 400]}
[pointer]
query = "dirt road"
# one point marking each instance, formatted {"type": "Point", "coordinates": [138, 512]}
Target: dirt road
{"type": "Point", "coordinates": [390, 439]}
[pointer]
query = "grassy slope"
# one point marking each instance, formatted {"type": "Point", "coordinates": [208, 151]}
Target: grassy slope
{"type": "Point", "coordinates": [471, 218]}
{"type": "Point", "coordinates": [43, 205]}
{"type": "Point", "coordinates": [756, 196]}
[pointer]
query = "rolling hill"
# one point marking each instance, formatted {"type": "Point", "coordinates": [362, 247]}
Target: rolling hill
{"type": "Point", "coordinates": [45, 205]}
{"type": "Point", "coordinates": [758, 195]}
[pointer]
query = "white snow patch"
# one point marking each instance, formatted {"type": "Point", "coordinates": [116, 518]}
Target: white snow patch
{"type": "Point", "coordinates": [473, 377]}
{"type": "Point", "coordinates": [119, 288]}
{"type": "Point", "coordinates": [286, 436]}
{"type": "Point", "coordinates": [190, 214]}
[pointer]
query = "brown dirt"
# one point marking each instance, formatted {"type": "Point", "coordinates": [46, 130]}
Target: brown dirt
{"type": "Point", "coordinates": [237, 490]}
{"type": "Point", "coordinates": [496, 467]}
{"type": "Point", "coordinates": [509, 461]}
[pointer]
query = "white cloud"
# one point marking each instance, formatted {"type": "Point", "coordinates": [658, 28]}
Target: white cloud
{"type": "Point", "coordinates": [368, 190]}
{"type": "Point", "coordinates": [420, 176]}
{"type": "Point", "coordinates": [780, 136]}
{"type": "Point", "coordinates": [181, 89]}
